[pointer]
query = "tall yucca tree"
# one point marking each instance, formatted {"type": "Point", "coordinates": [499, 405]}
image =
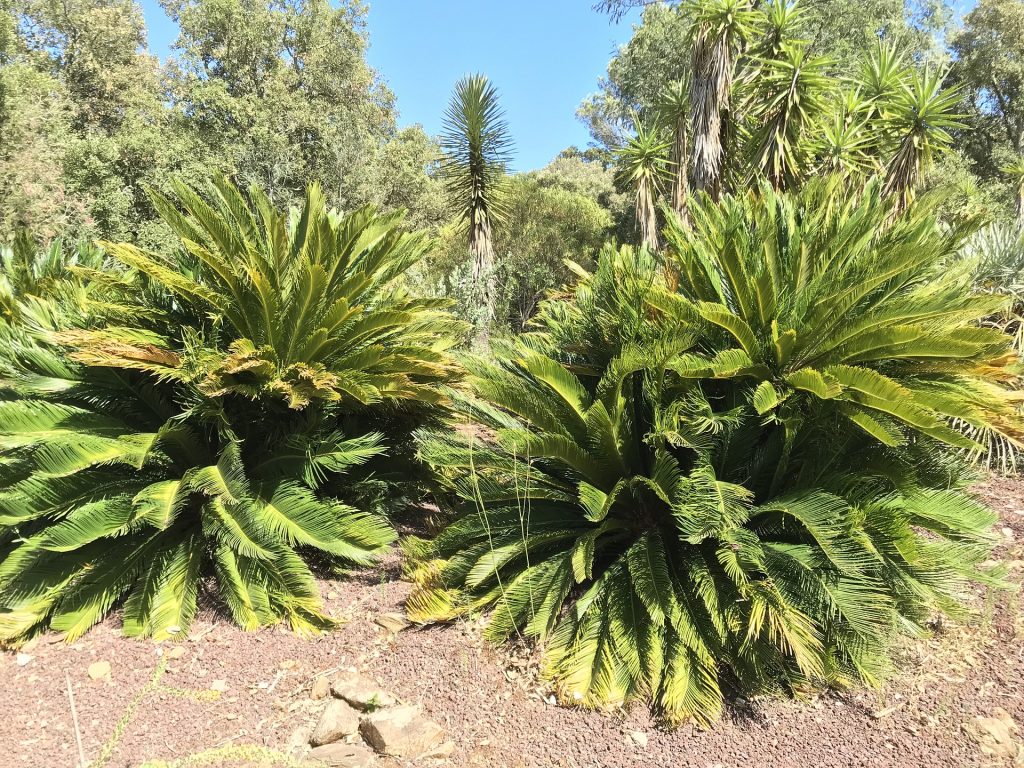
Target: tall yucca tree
{"type": "Point", "coordinates": [844, 145]}
{"type": "Point", "coordinates": [789, 97]}
{"type": "Point", "coordinates": [235, 423]}
{"type": "Point", "coordinates": [674, 113]}
{"type": "Point", "coordinates": [752, 477]}
{"type": "Point", "coordinates": [477, 148]}
{"type": "Point", "coordinates": [923, 116]}
{"type": "Point", "coordinates": [719, 29]}
{"type": "Point", "coordinates": [1015, 172]}
{"type": "Point", "coordinates": [643, 167]}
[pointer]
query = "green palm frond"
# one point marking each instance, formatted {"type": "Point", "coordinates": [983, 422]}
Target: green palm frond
{"type": "Point", "coordinates": [750, 476]}
{"type": "Point", "coordinates": [256, 413]}
{"type": "Point", "coordinates": [643, 167]}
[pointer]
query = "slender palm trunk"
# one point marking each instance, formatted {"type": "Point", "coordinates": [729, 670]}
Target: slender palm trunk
{"type": "Point", "coordinates": [712, 83]}
{"type": "Point", "coordinates": [681, 161]}
{"type": "Point", "coordinates": [1020, 203]}
{"type": "Point", "coordinates": [647, 216]}
{"type": "Point", "coordinates": [481, 251]}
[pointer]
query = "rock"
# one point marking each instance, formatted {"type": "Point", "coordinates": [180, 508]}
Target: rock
{"type": "Point", "coordinates": [402, 731]}
{"type": "Point", "coordinates": [361, 693]}
{"type": "Point", "coordinates": [176, 652]}
{"type": "Point", "coordinates": [392, 622]}
{"type": "Point", "coordinates": [298, 742]}
{"type": "Point", "coordinates": [445, 750]}
{"type": "Point", "coordinates": [998, 736]}
{"type": "Point", "coordinates": [1008, 534]}
{"type": "Point", "coordinates": [23, 659]}
{"type": "Point", "coordinates": [341, 755]}
{"type": "Point", "coordinates": [220, 686]}
{"type": "Point", "coordinates": [336, 722]}
{"type": "Point", "coordinates": [321, 688]}
{"type": "Point", "coordinates": [99, 670]}
{"type": "Point", "coordinates": [639, 738]}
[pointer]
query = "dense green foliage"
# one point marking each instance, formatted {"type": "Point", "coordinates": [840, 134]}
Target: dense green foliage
{"type": "Point", "coordinates": [88, 118]}
{"type": "Point", "coordinates": [750, 480]}
{"type": "Point", "coordinates": [731, 455]}
{"type": "Point", "coordinates": [223, 416]}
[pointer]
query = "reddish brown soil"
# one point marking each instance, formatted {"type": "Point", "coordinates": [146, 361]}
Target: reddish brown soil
{"type": "Point", "coordinates": [487, 699]}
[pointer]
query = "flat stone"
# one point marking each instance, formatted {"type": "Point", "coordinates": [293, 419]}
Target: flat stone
{"type": "Point", "coordinates": [99, 670]}
{"type": "Point", "coordinates": [402, 731]}
{"type": "Point", "coordinates": [363, 694]}
{"type": "Point", "coordinates": [321, 688]}
{"type": "Point", "coordinates": [639, 738]}
{"type": "Point", "coordinates": [998, 736]}
{"type": "Point", "coordinates": [337, 721]}
{"type": "Point", "coordinates": [341, 755]}
{"type": "Point", "coordinates": [392, 622]}
{"type": "Point", "coordinates": [298, 742]}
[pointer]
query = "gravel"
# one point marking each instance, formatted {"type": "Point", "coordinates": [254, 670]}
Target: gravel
{"type": "Point", "coordinates": [224, 687]}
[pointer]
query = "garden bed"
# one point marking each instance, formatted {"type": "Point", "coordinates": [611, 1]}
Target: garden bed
{"type": "Point", "coordinates": [226, 697]}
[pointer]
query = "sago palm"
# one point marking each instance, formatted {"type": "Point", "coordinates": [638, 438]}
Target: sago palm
{"type": "Point", "coordinates": [477, 147]}
{"type": "Point", "coordinates": [214, 429]}
{"type": "Point", "coordinates": [743, 481]}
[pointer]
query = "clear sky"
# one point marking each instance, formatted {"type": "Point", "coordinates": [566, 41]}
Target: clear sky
{"type": "Point", "coordinates": [544, 56]}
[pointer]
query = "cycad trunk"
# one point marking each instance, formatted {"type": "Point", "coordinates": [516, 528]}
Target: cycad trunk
{"type": "Point", "coordinates": [681, 160]}
{"type": "Point", "coordinates": [712, 83]}
{"type": "Point", "coordinates": [1020, 204]}
{"type": "Point", "coordinates": [647, 216]}
{"type": "Point", "coordinates": [481, 251]}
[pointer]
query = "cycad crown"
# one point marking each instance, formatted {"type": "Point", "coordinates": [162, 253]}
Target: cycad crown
{"type": "Point", "coordinates": [214, 429]}
{"type": "Point", "coordinates": [749, 481]}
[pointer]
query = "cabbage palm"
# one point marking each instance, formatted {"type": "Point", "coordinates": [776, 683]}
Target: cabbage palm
{"type": "Point", "coordinates": [476, 144]}
{"type": "Point", "coordinates": [923, 116]}
{"type": "Point", "coordinates": [673, 112]}
{"type": "Point", "coordinates": [719, 28]}
{"type": "Point", "coordinates": [643, 167]}
{"type": "Point", "coordinates": [752, 477]}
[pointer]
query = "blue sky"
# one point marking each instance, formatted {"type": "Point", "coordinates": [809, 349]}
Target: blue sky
{"type": "Point", "coordinates": [544, 56]}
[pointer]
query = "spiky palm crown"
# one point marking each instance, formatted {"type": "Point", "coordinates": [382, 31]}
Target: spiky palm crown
{"type": "Point", "coordinates": [477, 148]}
{"type": "Point", "coordinates": [224, 428]}
{"type": "Point", "coordinates": [746, 480]}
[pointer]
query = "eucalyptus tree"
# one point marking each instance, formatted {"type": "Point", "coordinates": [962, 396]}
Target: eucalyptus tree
{"type": "Point", "coordinates": [477, 147]}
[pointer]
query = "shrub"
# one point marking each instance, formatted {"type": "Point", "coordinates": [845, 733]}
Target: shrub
{"type": "Point", "coordinates": [747, 482]}
{"type": "Point", "coordinates": [217, 426]}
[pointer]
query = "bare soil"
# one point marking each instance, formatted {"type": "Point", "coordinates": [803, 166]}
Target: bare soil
{"type": "Point", "coordinates": [229, 698]}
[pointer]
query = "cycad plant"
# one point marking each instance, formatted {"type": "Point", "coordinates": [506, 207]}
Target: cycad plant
{"type": "Point", "coordinates": [749, 481]}
{"type": "Point", "coordinates": [31, 275]}
{"type": "Point", "coordinates": [477, 148]}
{"type": "Point", "coordinates": [214, 431]}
